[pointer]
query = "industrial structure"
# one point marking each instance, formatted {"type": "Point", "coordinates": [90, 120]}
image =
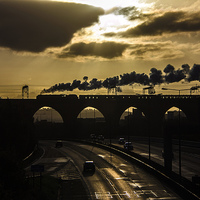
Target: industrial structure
{"type": "Point", "coordinates": [25, 90]}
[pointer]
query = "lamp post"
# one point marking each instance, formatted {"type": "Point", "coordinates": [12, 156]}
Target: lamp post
{"type": "Point", "coordinates": [179, 138]}
{"type": "Point", "coordinates": [128, 126]}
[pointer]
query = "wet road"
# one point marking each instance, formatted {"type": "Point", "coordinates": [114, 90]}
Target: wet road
{"type": "Point", "coordinates": [121, 179]}
{"type": "Point", "coordinates": [190, 157]}
{"type": "Point", "coordinates": [114, 178]}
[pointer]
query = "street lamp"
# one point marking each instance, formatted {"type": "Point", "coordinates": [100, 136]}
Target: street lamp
{"type": "Point", "coordinates": [179, 90]}
{"type": "Point", "coordinates": [179, 139]}
{"type": "Point", "coordinates": [128, 126]}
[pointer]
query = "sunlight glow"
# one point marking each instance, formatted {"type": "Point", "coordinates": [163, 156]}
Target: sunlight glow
{"type": "Point", "coordinates": [107, 23]}
{"type": "Point", "coordinates": [112, 21]}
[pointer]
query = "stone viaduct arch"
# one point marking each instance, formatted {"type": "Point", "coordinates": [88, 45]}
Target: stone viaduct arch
{"type": "Point", "coordinates": [111, 106]}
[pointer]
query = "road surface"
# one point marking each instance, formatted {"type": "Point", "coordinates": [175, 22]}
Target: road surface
{"type": "Point", "coordinates": [190, 156]}
{"type": "Point", "coordinates": [114, 178]}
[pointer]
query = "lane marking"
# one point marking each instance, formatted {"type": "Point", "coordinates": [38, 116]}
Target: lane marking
{"type": "Point", "coordinates": [163, 198]}
{"type": "Point", "coordinates": [101, 195]}
{"type": "Point", "coordinates": [122, 178]}
{"type": "Point", "coordinates": [126, 194]}
{"type": "Point", "coordinates": [100, 155]}
{"type": "Point", "coordinates": [111, 183]}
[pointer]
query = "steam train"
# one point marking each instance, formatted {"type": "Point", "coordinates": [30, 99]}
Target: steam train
{"type": "Point", "coordinates": [57, 96]}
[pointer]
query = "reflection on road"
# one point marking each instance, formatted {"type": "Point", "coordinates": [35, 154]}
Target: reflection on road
{"type": "Point", "coordinates": [121, 179]}
{"type": "Point", "coordinates": [114, 178]}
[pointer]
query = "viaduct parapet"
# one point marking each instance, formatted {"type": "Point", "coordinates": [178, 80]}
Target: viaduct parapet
{"type": "Point", "coordinates": [111, 107]}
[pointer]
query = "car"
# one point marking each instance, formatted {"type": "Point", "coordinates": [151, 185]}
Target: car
{"type": "Point", "coordinates": [59, 144]}
{"type": "Point", "coordinates": [89, 166]}
{"type": "Point", "coordinates": [121, 141]}
{"type": "Point", "coordinates": [93, 136]}
{"type": "Point", "coordinates": [128, 146]}
{"type": "Point", "coordinates": [100, 137]}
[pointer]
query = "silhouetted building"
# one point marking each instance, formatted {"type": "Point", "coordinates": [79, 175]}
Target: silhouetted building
{"type": "Point", "coordinates": [172, 115]}
{"type": "Point", "coordinates": [135, 114]}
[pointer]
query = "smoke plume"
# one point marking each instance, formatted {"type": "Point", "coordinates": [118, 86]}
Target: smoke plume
{"type": "Point", "coordinates": [155, 77]}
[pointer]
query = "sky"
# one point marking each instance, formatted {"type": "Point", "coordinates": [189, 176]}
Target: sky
{"type": "Point", "coordinates": [99, 46]}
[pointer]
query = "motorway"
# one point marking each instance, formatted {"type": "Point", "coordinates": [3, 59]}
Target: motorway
{"type": "Point", "coordinates": [190, 156]}
{"type": "Point", "coordinates": [114, 178]}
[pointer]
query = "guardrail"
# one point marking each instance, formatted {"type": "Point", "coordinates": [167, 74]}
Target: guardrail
{"type": "Point", "coordinates": [185, 143]}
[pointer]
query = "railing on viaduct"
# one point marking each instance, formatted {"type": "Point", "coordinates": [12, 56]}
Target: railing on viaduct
{"type": "Point", "coordinates": [154, 107]}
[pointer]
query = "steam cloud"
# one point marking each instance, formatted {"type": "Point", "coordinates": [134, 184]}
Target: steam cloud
{"type": "Point", "coordinates": [155, 77]}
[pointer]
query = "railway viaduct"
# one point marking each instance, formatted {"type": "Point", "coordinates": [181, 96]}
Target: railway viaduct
{"type": "Point", "coordinates": [111, 106]}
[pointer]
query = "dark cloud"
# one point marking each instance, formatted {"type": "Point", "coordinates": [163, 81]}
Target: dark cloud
{"type": "Point", "coordinates": [141, 49]}
{"type": "Point", "coordinates": [127, 11]}
{"type": "Point", "coordinates": [171, 55]}
{"type": "Point", "coordinates": [36, 25]}
{"type": "Point", "coordinates": [110, 34]}
{"type": "Point", "coordinates": [169, 22]}
{"type": "Point", "coordinates": [157, 50]}
{"type": "Point", "coordinates": [106, 50]}
{"type": "Point", "coordinates": [132, 13]}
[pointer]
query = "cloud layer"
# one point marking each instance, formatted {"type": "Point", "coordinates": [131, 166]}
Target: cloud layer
{"type": "Point", "coordinates": [106, 50]}
{"type": "Point", "coordinates": [168, 22]}
{"type": "Point", "coordinates": [36, 25]}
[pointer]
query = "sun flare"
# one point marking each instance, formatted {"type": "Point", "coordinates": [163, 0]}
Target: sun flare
{"type": "Point", "coordinates": [110, 22]}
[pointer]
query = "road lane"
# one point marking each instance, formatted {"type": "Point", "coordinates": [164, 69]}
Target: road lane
{"type": "Point", "coordinates": [114, 178]}
{"type": "Point", "coordinates": [190, 157]}
{"type": "Point", "coordinates": [57, 164]}
{"type": "Point", "coordinates": [99, 184]}
{"type": "Point", "coordinates": [130, 181]}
